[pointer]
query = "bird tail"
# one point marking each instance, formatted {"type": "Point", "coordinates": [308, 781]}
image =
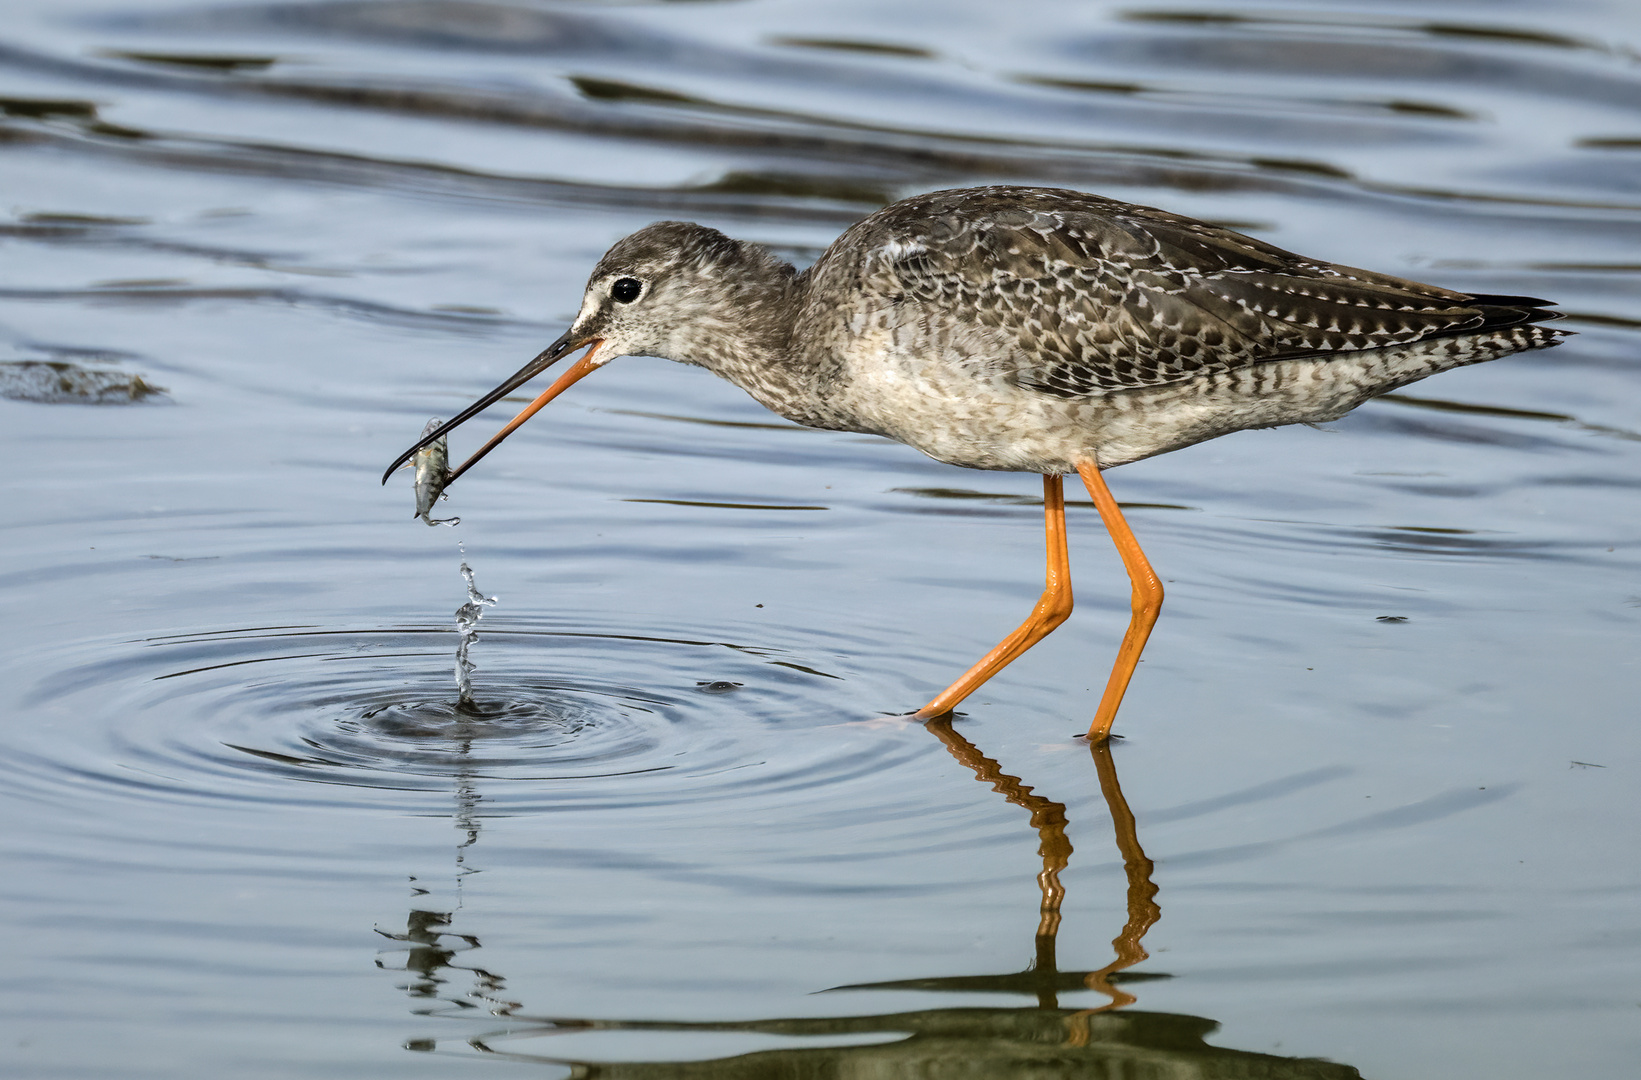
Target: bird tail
{"type": "Point", "coordinates": [1500, 311]}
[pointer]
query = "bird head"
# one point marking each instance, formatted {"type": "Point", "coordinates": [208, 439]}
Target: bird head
{"type": "Point", "coordinates": [672, 289]}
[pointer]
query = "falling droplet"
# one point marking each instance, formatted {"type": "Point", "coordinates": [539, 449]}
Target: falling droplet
{"type": "Point", "coordinates": [467, 624]}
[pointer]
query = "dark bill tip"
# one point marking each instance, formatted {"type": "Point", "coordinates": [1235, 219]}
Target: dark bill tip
{"type": "Point", "coordinates": [544, 360]}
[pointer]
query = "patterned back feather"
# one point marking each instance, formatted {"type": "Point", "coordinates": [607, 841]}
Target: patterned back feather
{"type": "Point", "coordinates": [1076, 295]}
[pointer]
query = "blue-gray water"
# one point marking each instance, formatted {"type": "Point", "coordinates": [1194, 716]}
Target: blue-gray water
{"type": "Point", "coordinates": [247, 832]}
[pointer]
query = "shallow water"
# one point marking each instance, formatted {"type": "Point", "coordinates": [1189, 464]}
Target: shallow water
{"type": "Point", "coordinates": [1381, 757]}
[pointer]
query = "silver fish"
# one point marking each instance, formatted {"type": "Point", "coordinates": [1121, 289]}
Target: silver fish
{"type": "Point", "coordinates": [432, 463]}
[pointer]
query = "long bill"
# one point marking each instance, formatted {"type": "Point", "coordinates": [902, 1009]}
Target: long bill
{"type": "Point", "coordinates": [546, 359]}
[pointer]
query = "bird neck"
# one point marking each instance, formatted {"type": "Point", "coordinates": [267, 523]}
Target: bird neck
{"type": "Point", "coordinates": [749, 341]}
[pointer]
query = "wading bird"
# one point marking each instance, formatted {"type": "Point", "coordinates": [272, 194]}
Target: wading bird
{"type": "Point", "coordinates": [1029, 329]}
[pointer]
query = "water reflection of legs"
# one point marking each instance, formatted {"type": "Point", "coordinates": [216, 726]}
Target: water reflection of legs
{"type": "Point", "coordinates": [1143, 911]}
{"type": "Point", "coordinates": [1049, 818]}
{"type": "Point", "coordinates": [1042, 1039]}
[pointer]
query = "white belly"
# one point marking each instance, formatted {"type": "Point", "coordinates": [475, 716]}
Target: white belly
{"type": "Point", "coordinates": [983, 421]}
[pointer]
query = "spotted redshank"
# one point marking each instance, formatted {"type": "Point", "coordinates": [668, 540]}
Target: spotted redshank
{"type": "Point", "coordinates": [1029, 329]}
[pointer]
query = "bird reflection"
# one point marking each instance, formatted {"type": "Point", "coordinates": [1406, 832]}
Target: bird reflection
{"type": "Point", "coordinates": [431, 949]}
{"type": "Point", "coordinates": [1043, 1039]}
{"type": "Point", "coordinates": [1043, 978]}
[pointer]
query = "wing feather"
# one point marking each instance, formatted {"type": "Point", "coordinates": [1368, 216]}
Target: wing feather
{"type": "Point", "coordinates": [1072, 294]}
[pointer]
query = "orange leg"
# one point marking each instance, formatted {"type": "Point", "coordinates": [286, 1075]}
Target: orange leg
{"type": "Point", "coordinates": [1052, 609]}
{"type": "Point", "coordinates": [1147, 601]}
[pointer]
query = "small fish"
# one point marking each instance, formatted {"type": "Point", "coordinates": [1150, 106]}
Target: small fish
{"type": "Point", "coordinates": [432, 464]}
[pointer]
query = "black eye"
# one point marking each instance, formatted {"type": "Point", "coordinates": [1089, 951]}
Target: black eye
{"type": "Point", "coordinates": [626, 290]}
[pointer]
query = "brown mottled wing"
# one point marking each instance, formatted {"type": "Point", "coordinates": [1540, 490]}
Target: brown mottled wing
{"type": "Point", "coordinates": [1087, 295]}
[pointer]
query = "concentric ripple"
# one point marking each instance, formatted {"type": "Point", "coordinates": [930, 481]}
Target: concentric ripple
{"type": "Point", "coordinates": [370, 716]}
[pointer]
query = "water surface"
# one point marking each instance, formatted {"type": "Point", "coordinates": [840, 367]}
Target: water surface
{"type": "Point", "coordinates": [1377, 798]}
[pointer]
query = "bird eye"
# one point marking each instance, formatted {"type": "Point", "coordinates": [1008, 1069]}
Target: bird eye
{"type": "Point", "coordinates": [626, 290]}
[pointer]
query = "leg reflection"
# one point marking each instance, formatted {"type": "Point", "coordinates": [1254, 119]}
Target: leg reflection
{"type": "Point", "coordinates": [1143, 911]}
{"type": "Point", "coordinates": [1040, 1040]}
{"type": "Point", "coordinates": [1049, 819]}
